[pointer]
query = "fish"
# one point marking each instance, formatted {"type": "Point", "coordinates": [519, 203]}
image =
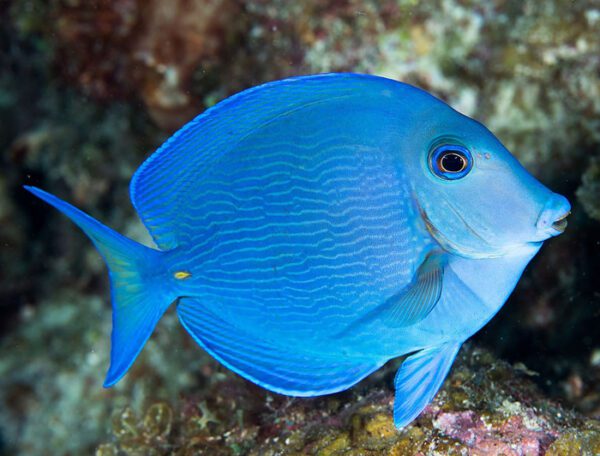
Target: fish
{"type": "Point", "coordinates": [311, 229]}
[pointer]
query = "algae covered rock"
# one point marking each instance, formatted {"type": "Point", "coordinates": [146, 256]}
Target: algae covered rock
{"type": "Point", "coordinates": [52, 367]}
{"type": "Point", "coordinates": [589, 192]}
{"type": "Point", "coordinates": [486, 407]}
{"type": "Point", "coordinates": [153, 51]}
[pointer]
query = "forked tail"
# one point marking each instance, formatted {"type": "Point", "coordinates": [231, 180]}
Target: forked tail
{"type": "Point", "coordinates": [139, 296]}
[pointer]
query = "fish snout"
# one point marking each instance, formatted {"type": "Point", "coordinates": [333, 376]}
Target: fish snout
{"type": "Point", "coordinates": [552, 220]}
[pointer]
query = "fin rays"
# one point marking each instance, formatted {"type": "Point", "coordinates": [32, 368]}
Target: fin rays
{"type": "Point", "coordinates": [418, 380]}
{"type": "Point", "coordinates": [138, 303]}
{"type": "Point", "coordinates": [286, 371]}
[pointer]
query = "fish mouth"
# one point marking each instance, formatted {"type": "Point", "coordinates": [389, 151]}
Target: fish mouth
{"type": "Point", "coordinates": [561, 223]}
{"type": "Point", "coordinates": [552, 219]}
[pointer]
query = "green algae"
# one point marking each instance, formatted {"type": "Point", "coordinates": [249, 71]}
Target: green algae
{"type": "Point", "coordinates": [148, 436]}
{"type": "Point", "coordinates": [576, 443]}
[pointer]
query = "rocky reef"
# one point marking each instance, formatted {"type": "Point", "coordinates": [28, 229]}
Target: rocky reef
{"type": "Point", "coordinates": [88, 89]}
{"type": "Point", "coordinates": [486, 407]}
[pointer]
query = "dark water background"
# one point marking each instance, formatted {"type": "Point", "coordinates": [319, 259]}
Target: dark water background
{"type": "Point", "coordinates": [89, 89]}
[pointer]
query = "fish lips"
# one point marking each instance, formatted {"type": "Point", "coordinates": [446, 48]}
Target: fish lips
{"type": "Point", "coordinates": [552, 220]}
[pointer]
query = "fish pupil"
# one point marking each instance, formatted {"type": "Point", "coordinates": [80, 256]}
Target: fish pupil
{"type": "Point", "coordinates": [452, 162]}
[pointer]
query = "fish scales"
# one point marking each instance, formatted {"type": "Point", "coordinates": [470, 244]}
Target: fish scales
{"type": "Point", "coordinates": [300, 229]}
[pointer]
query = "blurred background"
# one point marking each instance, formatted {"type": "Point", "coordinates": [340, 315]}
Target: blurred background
{"type": "Point", "coordinates": [88, 89]}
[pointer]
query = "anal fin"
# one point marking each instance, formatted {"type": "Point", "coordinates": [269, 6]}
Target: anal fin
{"type": "Point", "coordinates": [287, 370]}
{"type": "Point", "coordinates": [419, 379]}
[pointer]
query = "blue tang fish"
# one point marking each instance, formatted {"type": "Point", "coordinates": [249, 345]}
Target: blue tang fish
{"type": "Point", "coordinates": [310, 229]}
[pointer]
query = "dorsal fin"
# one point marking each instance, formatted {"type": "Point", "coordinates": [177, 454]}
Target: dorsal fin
{"type": "Point", "coordinates": [164, 185]}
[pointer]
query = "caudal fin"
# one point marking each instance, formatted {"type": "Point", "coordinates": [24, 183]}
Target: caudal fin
{"type": "Point", "coordinates": [139, 297]}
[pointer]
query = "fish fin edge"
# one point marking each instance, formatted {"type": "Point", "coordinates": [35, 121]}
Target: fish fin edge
{"type": "Point", "coordinates": [137, 302]}
{"type": "Point", "coordinates": [418, 380]}
{"type": "Point", "coordinates": [267, 364]}
{"type": "Point", "coordinates": [181, 160]}
{"type": "Point", "coordinates": [414, 302]}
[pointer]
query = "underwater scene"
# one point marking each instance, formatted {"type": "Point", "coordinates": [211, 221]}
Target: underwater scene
{"type": "Point", "coordinates": [322, 264]}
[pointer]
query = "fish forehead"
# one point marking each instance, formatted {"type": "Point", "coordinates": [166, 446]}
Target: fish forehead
{"type": "Point", "coordinates": [304, 218]}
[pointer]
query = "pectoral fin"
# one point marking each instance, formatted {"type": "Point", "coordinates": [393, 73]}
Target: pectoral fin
{"type": "Point", "coordinates": [419, 379]}
{"type": "Point", "coordinates": [415, 301]}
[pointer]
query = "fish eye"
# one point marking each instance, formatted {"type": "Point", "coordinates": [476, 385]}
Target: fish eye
{"type": "Point", "coordinates": [451, 161]}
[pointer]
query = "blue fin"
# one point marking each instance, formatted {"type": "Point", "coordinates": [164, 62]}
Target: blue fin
{"type": "Point", "coordinates": [289, 372]}
{"type": "Point", "coordinates": [138, 302]}
{"type": "Point", "coordinates": [415, 301]}
{"type": "Point", "coordinates": [419, 379]}
{"type": "Point", "coordinates": [166, 182]}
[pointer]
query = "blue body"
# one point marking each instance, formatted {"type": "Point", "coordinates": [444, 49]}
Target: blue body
{"type": "Point", "coordinates": [306, 240]}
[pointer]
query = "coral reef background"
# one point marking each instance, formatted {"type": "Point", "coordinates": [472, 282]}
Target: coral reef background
{"type": "Point", "coordinates": [90, 88]}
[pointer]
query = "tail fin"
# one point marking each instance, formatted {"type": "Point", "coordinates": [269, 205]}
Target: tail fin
{"type": "Point", "coordinates": [138, 298]}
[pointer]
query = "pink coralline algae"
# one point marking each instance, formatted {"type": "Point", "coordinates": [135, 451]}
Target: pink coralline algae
{"type": "Point", "coordinates": [511, 438]}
